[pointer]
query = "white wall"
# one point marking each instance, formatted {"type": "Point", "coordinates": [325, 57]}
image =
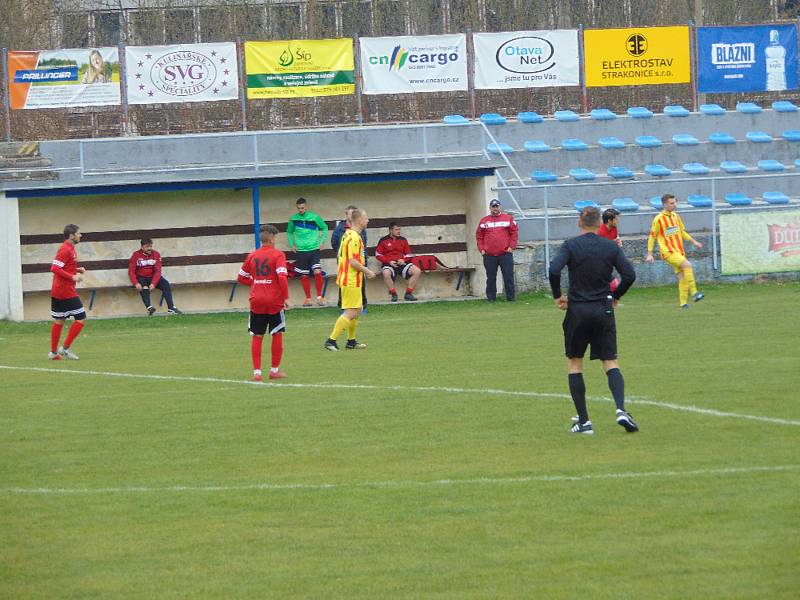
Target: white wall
{"type": "Point", "coordinates": [10, 261]}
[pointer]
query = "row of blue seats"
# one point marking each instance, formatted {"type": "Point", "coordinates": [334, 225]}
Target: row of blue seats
{"type": "Point", "coordinates": [635, 112]}
{"type": "Point", "coordinates": [694, 200]}
{"type": "Point", "coordinates": [644, 141]}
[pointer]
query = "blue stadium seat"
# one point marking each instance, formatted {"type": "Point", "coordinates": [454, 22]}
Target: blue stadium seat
{"type": "Point", "coordinates": [758, 136]}
{"type": "Point", "coordinates": [684, 139]}
{"type": "Point", "coordinates": [656, 203]}
{"type": "Point", "coordinates": [738, 199]}
{"type": "Point", "coordinates": [791, 135]}
{"type": "Point", "coordinates": [536, 146]}
{"type": "Point", "coordinates": [499, 148]}
{"type": "Point", "coordinates": [581, 204]}
{"type": "Point", "coordinates": [712, 110]}
{"type": "Point", "coordinates": [567, 116]}
{"type": "Point", "coordinates": [620, 172]}
{"type": "Point", "coordinates": [657, 170]}
{"type": "Point", "coordinates": [574, 144]}
{"type": "Point", "coordinates": [610, 143]}
{"type": "Point", "coordinates": [698, 200]}
{"type": "Point", "coordinates": [602, 114]}
{"type": "Point", "coordinates": [784, 106]}
{"type": "Point", "coordinates": [648, 141]}
{"type": "Point", "coordinates": [748, 108]}
{"type": "Point", "coordinates": [530, 117]}
{"type": "Point", "coordinates": [721, 138]}
{"type": "Point", "coordinates": [582, 175]}
{"type": "Point", "coordinates": [624, 204]}
{"type": "Point", "coordinates": [732, 166]}
{"type": "Point", "coordinates": [696, 168]}
{"type": "Point", "coordinates": [676, 110]}
{"type": "Point", "coordinates": [544, 176]}
{"type": "Point", "coordinates": [797, 162]}
{"type": "Point", "coordinates": [493, 119]}
{"type": "Point", "coordinates": [456, 120]}
{"type": "Point", "coordinates": [640, 112]}
{"type": "Point", "coordinates": [770, 165]}
{"type": "Point", "coordinates": [775, 198]}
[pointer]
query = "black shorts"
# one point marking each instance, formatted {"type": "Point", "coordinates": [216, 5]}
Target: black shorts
{"type": "Point", "coordinates": [307, 262]}
{"type": "Point", "coordinates": [403, 270]}
{"type": "Point", "coordinates": [259, 323]}
{"type": "Point", "coordinates": [64, 309]}
{"type": "Point", "coordinates": [587, 323]}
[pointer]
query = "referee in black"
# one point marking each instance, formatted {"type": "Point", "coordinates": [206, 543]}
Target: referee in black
{"type": "Point", "coordinates": [590, 305]}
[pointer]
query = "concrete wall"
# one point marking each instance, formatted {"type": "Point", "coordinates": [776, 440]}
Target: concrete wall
{"type": "Point", "coordinates": [10, 275]}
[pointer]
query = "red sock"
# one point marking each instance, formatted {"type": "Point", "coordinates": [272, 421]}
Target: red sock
{"type": "Point", "coordinates": [255, 348]}
{"type": "Point", "coordinates": [409, 290]}
{"type": "Point", "coordinates": [55, 335]}
{"type": "Point", "coordinates": [306, 285]}
{"type": "Point", "coordinates": [73, 332]}
{"type": "Point", "coordinates": [277, 350]}
{"type": "Point", "coordinates": [392, 291]}
{"type": "Point", "coordinates": [318, 282]}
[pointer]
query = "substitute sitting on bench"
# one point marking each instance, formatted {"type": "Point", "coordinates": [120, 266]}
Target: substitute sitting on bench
{"type": "Point", "coordinates": [394, 253]}
{"type": "Point", "coordinates": [144, 271]}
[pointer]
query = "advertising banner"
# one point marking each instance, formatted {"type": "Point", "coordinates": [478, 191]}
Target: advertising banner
{"type": "Point", "coordinates": [181, 73]}
{"type": "Point", "coordinates": [637, 56]}
{"type": "Point", "coordinates": [63, 78]}
{"type": "Point", "coordinates": [760, 242]}
{"type": "Point", "coordinates": [526, 59]}
{"type": "Point", "coordinates": [300, 68]}
{"type": "Point", "coordinates": [758, 58]}
{"type": "Point", "coordinates": [408, 64]}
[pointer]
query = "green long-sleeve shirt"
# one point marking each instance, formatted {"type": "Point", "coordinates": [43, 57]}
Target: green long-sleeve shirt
{"type": "Point", "coordinates": [305, 232]}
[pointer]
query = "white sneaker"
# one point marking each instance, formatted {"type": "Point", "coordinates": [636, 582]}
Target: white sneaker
{"type": "Point", "coordinates": [53, 356]}
{"type": "Point", "coordinates": [67, 353]}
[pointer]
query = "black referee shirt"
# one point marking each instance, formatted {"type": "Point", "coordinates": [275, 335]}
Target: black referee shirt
{"type": "Point", "coordinates": [590, 260]}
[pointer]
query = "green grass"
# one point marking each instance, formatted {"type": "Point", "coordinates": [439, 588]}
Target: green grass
{"type": "Point", "coordinates": [149, 488]}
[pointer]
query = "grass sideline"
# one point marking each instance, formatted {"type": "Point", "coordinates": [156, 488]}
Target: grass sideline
{"type": "Point", "coordinates": [131, 487]}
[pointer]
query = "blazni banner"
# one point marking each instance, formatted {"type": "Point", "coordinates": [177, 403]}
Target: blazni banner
{"type": "Point", "coordinates": [408, 64]}
{"type": "Point", "coordinates": [760, 242]}
{"type": "Point", "coordinates": [64, 78]}
{"type": "Point", "coordinates": [637, 56]}
{"type": "Point", "coordinates": [300, 68]}
{"type": "Point", "coordinates": [759, 58]}
{"type": "Point", "coordinates": [181, 73]}
{"type": "Point", "coordinates": [525, 59]}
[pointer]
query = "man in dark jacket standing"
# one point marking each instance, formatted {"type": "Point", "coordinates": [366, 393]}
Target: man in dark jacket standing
{"type": "Point", "coordinates": [497, 236]}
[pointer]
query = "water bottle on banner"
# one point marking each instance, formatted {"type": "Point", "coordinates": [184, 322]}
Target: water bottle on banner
{"type": "Point", "coordinates": [775, 55]}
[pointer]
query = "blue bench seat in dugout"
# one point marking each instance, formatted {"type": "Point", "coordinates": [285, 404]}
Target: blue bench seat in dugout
{"type": "Point", "coordinates": [698, 200]}
{"type": "Point", "coordinates": [648, 141]}
{"type": "Point", "coordinates": [657, 170]}
{"type": "Point", "coordinates": [499, 148]}
{"type": "Point", "coordinates": [573, 144]}
{"type": "Point", "coordinates": [684, 139]}
{"type": "Point", "coordinates": [775, 198]}
{"type": "Point", "coordinates": [640, 112]}
{"type": "Point", "coordinates": [582, 175]}
{"type": "Point", "coordinates": [748, 108]}
{"type": "Point", "coordinates": [720, 138]}
{"type": "Point", "coordinates": [676, 110]}
{"type": "Point", "coordinates": [770, 165]}
{"type": "Point", "coordinates": [566, 116]}
{"type": "Point", "coordinates": [610, 143]}
{"type": "Point", "coordinates": [493, 119]}
{"type": "Point", "coordinates": [456, 120]}
{"type": "Point", "coordinates": [738, 199]}
{"type": "Point", "coordinates": [602, 114]}
{"type": "Point", "coordinates": [759, 137]}
{"type": "Point", "coordinates": [712, 110]}
{"type": "Point", "coordinates": [620, 172]}
{"type": "Point", "coordinates": [544, 176]}
{"type": "Point", "coordinates": [696, 168]}
{"type": "Point", "coordinates": [732, 166]}
{"type": "Point", "coordinates": [530, 117]}
{"type": "Point", "coordinates": [536, 146]}
{"type": "Point", "coordinates": [581, 204]}
{"type": "Point", "coordinates": [625, 204]}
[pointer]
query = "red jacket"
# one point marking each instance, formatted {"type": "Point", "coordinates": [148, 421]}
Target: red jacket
{"type": "Point", "coordinates": [145, 265]}
{"type": "Point", "coordinates": [496, 234]}
{"type": "Point", "coordinates": [264, 270]}
{"type": "Point", "coordinates": [389, 249]}
{"type": "Point", "coordinates": [64, 266]}
{"type": "Point", "coordinates": [610, 233]}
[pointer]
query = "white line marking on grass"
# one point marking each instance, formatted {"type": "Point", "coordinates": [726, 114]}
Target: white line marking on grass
{"type": "Point", "coordinates": [400, 484]}
{"type": "Point", "coordinates": [401, 388]}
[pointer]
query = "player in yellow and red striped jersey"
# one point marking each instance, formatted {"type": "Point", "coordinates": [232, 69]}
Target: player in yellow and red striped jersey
{"type": "Point", "coordinates": [669, 231]}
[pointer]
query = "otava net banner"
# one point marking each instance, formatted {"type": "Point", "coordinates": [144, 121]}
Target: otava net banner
{"type": "Point", "coordinates": [524, 59]}
{"type": "Point", "coordinates": [758, 58]}
{"type": "Point", "coordinates": [760, 241]}
{"type": "Point", "coordinates": [409, 64]}
{"type": "Point", "coordinates": [181, 73]}
{"type": "Point", "coordinates": [63, 78]}
{"type": "Point", "coordinates": [300, 68]}
{"type": "Point", "coordinates": [636, 56]}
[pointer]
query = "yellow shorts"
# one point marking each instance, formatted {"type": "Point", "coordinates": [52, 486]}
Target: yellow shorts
{"type": "Point", "coordinates": [675, 260]}
{"type": "Point", "coordinates": [351, 297]}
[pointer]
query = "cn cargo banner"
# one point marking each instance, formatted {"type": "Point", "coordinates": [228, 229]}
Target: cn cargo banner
{"type": "Point", "coordinates": [760, 242]}
{"type": "Point", "coordinates": [636, 56]}
{"type": "Point", "coordinates": [300, 68]}
{"type": "Point", "coordinates": [181, 73]}
{"type": "Point", "coordinates": [63, 78]}
{"type": "Point", "coordinates": [760, 58]}
{"type": "Point", "coordinates": [526, 59]}
{"type": "Point", "coordinates": [408, 64]}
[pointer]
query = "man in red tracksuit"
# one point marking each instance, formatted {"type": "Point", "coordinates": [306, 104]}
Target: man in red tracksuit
{"type": "Point", "coordinates": [64, 299]}
{"type": "Point", "coordinates": [394, 254]}
{"type": "Point", "coordinates": [497, 236]}
{"type": "Point", "coordinates": [264, 270]}
{"type": "Point", "coordinates": [144, 271]}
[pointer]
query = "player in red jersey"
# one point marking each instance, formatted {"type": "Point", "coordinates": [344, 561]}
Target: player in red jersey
{"type": "Point", "coordinates": [64, 299]}
{"type": "Point", "coordinates": [609, 231]}
{"type": "Point", "coordinates": [264, 271]}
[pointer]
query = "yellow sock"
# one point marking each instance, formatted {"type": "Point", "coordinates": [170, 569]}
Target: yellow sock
{"type": "Point", "coordinates": [341, 324]}
{"type": "Point", "coordinates": [683, 291]}
{"type": "Point", "coordinates": [351, 330]}
{"type": "Point", "coordinates": [688, 276]}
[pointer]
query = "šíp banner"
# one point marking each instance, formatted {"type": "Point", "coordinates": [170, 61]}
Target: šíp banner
{"type": "Point", "coordinates": [760, 242]}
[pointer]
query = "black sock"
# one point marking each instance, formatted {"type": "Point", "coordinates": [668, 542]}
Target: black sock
{"type": "Point", "coordinates": [578, 390]}
{"type": "Point", "coordinates": [617, 386]}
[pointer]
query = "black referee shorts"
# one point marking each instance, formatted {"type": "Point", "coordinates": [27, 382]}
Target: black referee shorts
{"type": "Point", "coordinates": [586, 323]}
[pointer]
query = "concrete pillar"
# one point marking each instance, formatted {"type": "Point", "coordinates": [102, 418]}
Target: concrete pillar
{"type": "Point", "coordinates": [10, 260]}
{"type": "Point", "coordinates": [479, 193]}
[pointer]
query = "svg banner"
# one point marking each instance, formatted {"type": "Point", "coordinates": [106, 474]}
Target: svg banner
{"type": "Point", "coordinates": [63, 78]}
{"type": "Point", "coordinates": [637, 56]}
{"type": "Point", "coordinates": [526, 59]}
{"type": "Point", "coordinates": [407, 64]}
{"type": "Point", "coordinates": [300, 68]}
{"type": "Point", "coordinates": [760, 242]}
{"type": "Point", "coordinates": [754, 58]}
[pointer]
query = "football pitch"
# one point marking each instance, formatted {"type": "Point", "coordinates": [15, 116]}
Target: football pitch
{"type": "Point", "coordinates": [435, 463]}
